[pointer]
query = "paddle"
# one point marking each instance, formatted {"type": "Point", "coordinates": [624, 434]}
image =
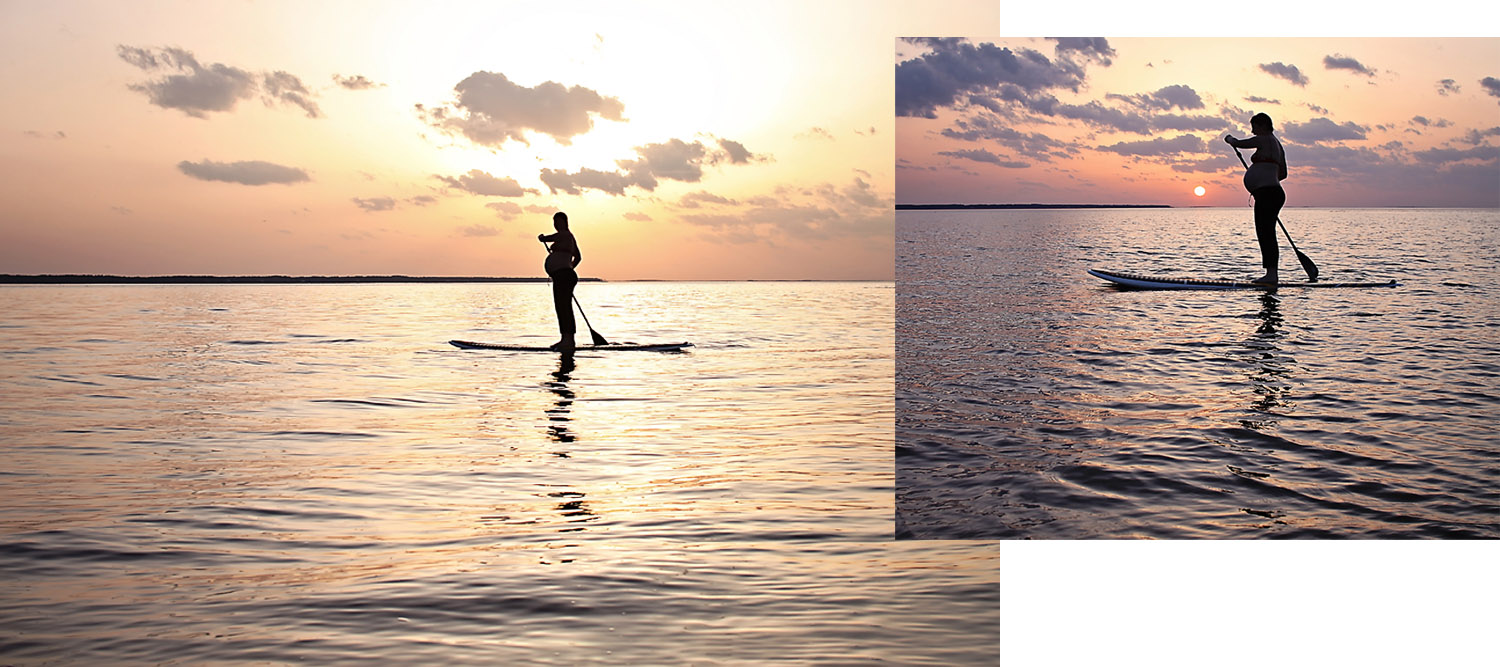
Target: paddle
{"type": "Point", "coordinates": [598, 340]}
{"type": "Point", "coordinates": [1307, 263]}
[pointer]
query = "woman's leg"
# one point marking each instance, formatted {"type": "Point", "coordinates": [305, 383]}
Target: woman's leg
{"type": "Point", "coordinates": [1268, 203]}
{"type": "Point", "coordinates": [562, 300]}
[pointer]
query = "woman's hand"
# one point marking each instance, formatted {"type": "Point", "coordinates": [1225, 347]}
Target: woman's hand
{"type": "Point", "coordinates": [1229, 139]}
{"type": "Point", "coordinates": [541, 237]}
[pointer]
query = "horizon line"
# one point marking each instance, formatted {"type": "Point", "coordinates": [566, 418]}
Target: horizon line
{"type": "Point", "coordinates": [186, 279]}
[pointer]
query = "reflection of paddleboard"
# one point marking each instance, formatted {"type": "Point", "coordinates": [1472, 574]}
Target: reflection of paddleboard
{"type": "Point", "coordinates": [1161, 282]}
{"type": "Point", "coordinates": [637, 347]}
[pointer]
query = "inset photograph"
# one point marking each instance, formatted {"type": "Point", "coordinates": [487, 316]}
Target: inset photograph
{"type": "Point", "coordinates": [1197, 288]}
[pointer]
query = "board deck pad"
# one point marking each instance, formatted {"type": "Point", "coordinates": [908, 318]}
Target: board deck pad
{"type": "Point", "coordinates": [636, 347]}
{"type": "Point", "coordinates": [1136, 281]}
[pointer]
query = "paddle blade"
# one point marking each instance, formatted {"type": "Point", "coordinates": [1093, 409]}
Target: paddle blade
{"type": "Point", "coordinates": [1308, 266]}
{"type": "Point", "coordinates": [599, 340]}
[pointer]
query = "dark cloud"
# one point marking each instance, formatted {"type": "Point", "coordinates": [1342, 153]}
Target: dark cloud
{"type": "Point", "coordinates": [1261, 100]}
{"type": "Point", "coordinates": [1179, 96]}
{"type": "Point", "coordinates": [1427, 122]}
{"type": "Point", "coordinates": [1284, 71]}
{"type": "Point", "coordinates": [1093, 48]}
{"type": "Point", "coordinates": [955, 71]}
{"type": "Point", "coordinates": [982, 155]}
{"type": "Point", "coordinates": [357, 82]}
{"type": "Point", "coordinates": [491, 110]}
{"type": "Point", "coordinates": [422, 200]}
{"type": "Point", "coordinates": [196, 89]}
{"type": "Point", "coordinates": [1476, 137]}
{"type": "Point", "coordinates": [675, 160]}
{"type": "Point", "coordinates": [1189, 123]}
{"type": "Point", "coordinates": [244, 173]}
{"type": "Point", "coordinates": [1491, 86]}
{"type": "Point", "coordinates": [1447, 87]}
{"type": "Point", "coordinates": [1319, 130]}
{"type": "Point", "coordinates": [1180, 144]}
{"type": "Point", "coordinates": [987, 128]}
{"type": "Point", "coordinates": [482, 183]}
{"type": "Point", "coordinates": [1449, 155]}
{"type": "Point", "coordinates": [1316, 108]}
{"type": "Point", "coordinates": [374, 204]}
{"type": "Point", "coordinates": [1339, 61]}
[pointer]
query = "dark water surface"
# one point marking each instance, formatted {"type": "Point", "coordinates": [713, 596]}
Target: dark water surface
{"type": "Point", "coordinates": [1035, 402]}
{"type": "Point", "coordinates": [309, 473]}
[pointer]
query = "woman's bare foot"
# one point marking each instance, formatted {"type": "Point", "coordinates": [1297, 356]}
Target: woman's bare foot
{"type": "Point", "coordinates": [1268, 279]}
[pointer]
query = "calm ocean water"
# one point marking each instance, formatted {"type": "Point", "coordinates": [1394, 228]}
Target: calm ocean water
{"type": "Point", "coordinates": [1035, 402]}
{"type": "Point", "coordinates": [310, 473]}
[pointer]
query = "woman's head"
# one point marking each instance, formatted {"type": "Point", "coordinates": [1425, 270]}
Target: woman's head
{"type": "Point", "coordinates": [560, 220]}
{"type": "Point", "coordinates": [1261, 123]}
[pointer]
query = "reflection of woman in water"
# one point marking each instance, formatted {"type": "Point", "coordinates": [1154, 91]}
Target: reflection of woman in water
{"type": "Point", "coordinates": [1263, 180]}
{"type": "Point", "coordinates": [562, 258]}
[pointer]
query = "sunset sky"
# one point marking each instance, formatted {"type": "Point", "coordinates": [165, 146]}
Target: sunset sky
{"type": "Point", "coordinates": [686, 140]}
{"type": "Point", "coordinates": [1365, 122]}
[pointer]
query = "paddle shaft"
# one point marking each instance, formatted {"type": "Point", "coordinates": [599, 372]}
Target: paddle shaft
{"type": "Point", "coordinates": [598, 340]}
{"type": "Point", "coordinates": [1307, 263]}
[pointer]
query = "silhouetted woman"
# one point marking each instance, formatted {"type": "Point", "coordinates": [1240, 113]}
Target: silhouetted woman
{"type": "Point", "coordinates": [1263, 180]}
{"type": "Point", "coordinates": [562, 258]}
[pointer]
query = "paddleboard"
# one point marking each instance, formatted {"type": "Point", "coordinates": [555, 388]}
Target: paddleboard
{"type": "Point", "coordinates": [1134, 281]}
{"type": "Point", "coordinates": [634, 347]}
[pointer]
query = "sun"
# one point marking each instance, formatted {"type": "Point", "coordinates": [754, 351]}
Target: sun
{"type": "Point", "coordinates": [1199, 191]}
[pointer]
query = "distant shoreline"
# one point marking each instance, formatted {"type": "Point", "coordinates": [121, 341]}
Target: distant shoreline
{"type": "Point", "coordinates": [87, 279]}
{"type": "Point", "coordinates": [935, 207]}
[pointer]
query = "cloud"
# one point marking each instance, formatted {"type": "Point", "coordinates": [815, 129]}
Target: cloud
{"type": "Point", "coordinates": [954, 71]}
{"type": "Point", "coordinates": [1283, 71]}
{"type": "Point", "coordinates": [244, 173]}
{"type": "Point", "coordinates": [982, 155]}
{"type": "Point", "coordinates": [59, 134]}
{"type": "Point", "coordinates": [422, 200]}
{"type": "Point", "coordinates": [1476, 137]}
{"type": "Point", "coordinates": [1179, 96]}
{"type": "Point", "coordinates": [1183, 143]}
{"type": "Point", "coordinates": [1093, 48]}
{"type": "Point", "coordinates": [478, 231]}
{"type": "Point", "coordinates": [1319, 130]}
{"type": "Point", "coordinates": [1338, 61]}
{"type": "Point", "coordinates": [505, 209]}
{"type": "Point", "coordinates": [1491, 86]}
{"type": "Point", "coordinates": [357, 82]}
{"type": "Point", "coordinates": [825, 211]}
{"type": "Point", "coordinates": [817, 133]}
{"type": "Point", "coordinates": [196, 89]}
{"type": "Point", "coordinates": [1261, 100]}
{"type": "Point", "coordinates": [638, 217]}
{"type": "Point", "coordinates": [288, 89]}
{"type": "Point", "coordinates": [1447, 87]}
{"type": "Point", "coordinates": [1448, 155]}
{"type": "Point", "coordinates": [988, 128]}
{"type": "Point", "coordinates": [701, 197]}
{"type": "Point", "coordinates": [490, 110]}
{"type": "Point", "coordinates": [673, 159]}
{"type": "Point", "coordinates": [736, 153]}
{"type": "Point", "coordinates": [1427, 122]}
{"type": "Point", "coordinates": [374, 204]}
{"type": "Point", "coordinates": [482, 183]}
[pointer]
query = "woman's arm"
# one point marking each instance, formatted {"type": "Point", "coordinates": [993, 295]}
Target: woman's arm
{"type": "Point", "coordinates": [1249, 142]}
